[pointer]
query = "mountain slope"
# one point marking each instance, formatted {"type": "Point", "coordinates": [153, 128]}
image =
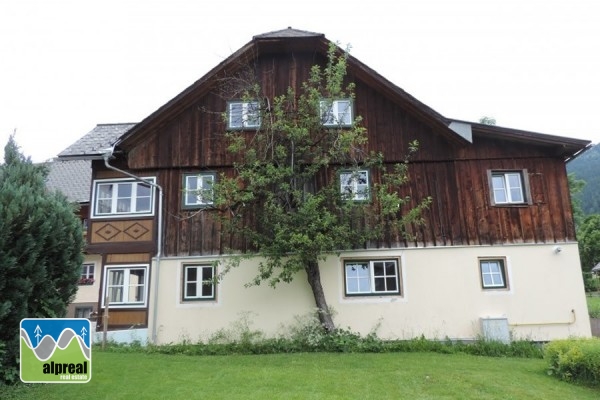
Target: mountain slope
{"type": "Point", "coordinates": [587, 167]}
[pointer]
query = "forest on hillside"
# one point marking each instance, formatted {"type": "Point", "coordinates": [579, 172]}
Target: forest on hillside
{"type": "Point", "coordinates": [586, 167]}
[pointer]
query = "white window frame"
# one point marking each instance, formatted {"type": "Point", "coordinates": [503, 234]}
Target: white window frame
{"type": "Point", "coordinates": [367, 285]}
{"type": "Point", "coordinates": [337, 112]}
{"type": "Point", "coordinates": [496, 278]}
{"type": "Point", "coordinates": [114, 199]}
{"type": "Point", "coordinates": [505, 193]}
{"type": "Point", "coordinates": [203, 197]}
{"type": "Point", "coordinates": [85, 271]}
{"type": "Point", "coordinates": [248, 114]}
{"type": "Point", "coordinates": [353, 189]}
{"type": "Point", "coordinates": [198, 283]}
{"type": "Point", "coordinates": [126, 286]}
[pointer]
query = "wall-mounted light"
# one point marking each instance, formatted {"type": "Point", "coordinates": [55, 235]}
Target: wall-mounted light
{"type": "Point", "coordinates": [557, 249]}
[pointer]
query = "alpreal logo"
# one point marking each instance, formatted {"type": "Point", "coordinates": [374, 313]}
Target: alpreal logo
{"type": "Point", "coordinates": [56, 350]}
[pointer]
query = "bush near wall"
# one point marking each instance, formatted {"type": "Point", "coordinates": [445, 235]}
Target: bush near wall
{"type": "Point", "coordinates": [574, 360]}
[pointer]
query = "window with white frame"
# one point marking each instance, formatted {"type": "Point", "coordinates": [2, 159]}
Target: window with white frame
{"type": "Point", "coordinates": [336, 112]}
{"type": "Point", "coordinates": [198, 190]}
{"type": "Point", "coordinates": [123, 197]}
{"type": "Point", "coordinates": [87, 271]}
{"type": "Point", "coordinates": [198, 283]}
{"type": "Point", "coordinates": [493, 273]}
{"type": "Point", "coordinates": [242, 114]}
{"type": "Point", "coordinates": [354, 185]}
{"type": "Point", "coordinates": [126, 285]}
{"type": "Point", "coordinates": [372, 277]}
{"type": "Point", "coordinates": [87, 274]}
{"type": "Point", "coordinates": [508, 187]}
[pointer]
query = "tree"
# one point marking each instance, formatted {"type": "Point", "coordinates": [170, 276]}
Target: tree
{"type": "Point", "coordinates": [487, 120]}
{"type": "Point", "coordinates": [575, 188]}
{"type": "Point", "coordinates": [41, 246]}
{"type": "Point", "coordinates": [588, 237]}
{"type": "Point", "coordinates": [285, 199]}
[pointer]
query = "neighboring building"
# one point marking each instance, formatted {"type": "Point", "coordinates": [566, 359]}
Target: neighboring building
{"type": "Point", "coordinates": [72, 177]}
{"type": "Point", "coordinates": [497, 255]}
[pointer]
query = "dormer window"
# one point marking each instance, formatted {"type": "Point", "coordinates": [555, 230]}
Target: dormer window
{"type": "Point", "coordinates": [243, 115]}
{"type": "Point", "coordinates": [336, 112]}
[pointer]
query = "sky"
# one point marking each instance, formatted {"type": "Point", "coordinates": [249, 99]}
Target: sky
{"type": "Point", "coordinates": [67, 65]}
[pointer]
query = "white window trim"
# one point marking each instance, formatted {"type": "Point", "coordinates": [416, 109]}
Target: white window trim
{"type": "Point", "coordinates": [250, 120]}
{"type": "Point", "coordinates": [98, 182]}
{"type": "Point", "coordinates": [356, 195]}
{"type": "Point", "coordinates": [523, 180]}
{"type": "Point", "coordinates": [334, 107]}
{"type": "Point", "coordinates": [87, 271]}
{"type": "Point", "coordinates": [373, 292]}
{"type": "Point", "coordinates": [202, 177]}
{"type": "Point", "coordinates": [199, 285]}
{"type": "Point", "coordinates": [141, 304]}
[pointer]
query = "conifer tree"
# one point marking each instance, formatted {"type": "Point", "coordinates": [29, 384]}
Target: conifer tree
{"type": "Point", "coordinates": [41, 246]}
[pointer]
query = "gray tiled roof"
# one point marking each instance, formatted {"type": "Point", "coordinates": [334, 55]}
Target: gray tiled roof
{"type": "Point", "coordinates": [287, 33]}
{"type": "Point", "coordinates": [96, 141]}
{"type": "Point", "coordinates": [71, 177]}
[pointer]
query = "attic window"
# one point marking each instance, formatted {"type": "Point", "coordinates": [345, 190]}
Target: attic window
{"type": "Point", "coordinates": [243, 115]}
{"type": "Point", "coordinates": [336, 112]}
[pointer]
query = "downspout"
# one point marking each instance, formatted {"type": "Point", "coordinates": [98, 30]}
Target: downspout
{"type": "Point", "coordinates": [158, 256]}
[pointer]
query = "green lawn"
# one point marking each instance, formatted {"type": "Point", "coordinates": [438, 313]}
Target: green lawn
{"type": "Point", "coordinates": [310, 376]}
{"type": "Point", "coordinates": [593, 303]}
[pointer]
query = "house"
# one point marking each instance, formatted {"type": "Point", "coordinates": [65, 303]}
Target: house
{"type": "Point", "coordinates": [497, 255]}
{"type": "Point", "coordinates": [72, 176]}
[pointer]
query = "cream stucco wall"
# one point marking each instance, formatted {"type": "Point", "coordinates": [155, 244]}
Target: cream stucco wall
{"type": "Point", "coordinates": [89, 293]}
{"type": "Point", "coordinates": [442, 297]}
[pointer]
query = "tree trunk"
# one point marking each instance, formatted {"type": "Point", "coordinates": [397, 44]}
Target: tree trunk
{"type": "Point", "coordinates": [314, 280]}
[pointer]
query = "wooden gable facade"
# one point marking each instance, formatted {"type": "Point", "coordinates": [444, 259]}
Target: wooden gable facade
{"type": "Point", "coordinates": [186, 135]}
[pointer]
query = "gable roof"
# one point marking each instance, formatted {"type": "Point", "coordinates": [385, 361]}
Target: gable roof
{"type": "Point", "coordinates": [96, 141]}
{"type": "Point", "coordinates": [70, 177]}
{"type": "Point", "coordinates": [285, 40]}
{"type": "Point", "coordinates": [564, 147]}
{"type": "Point", "coordinates": [287, 33]}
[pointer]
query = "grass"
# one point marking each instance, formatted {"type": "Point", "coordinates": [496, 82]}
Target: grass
{"type": "Point", "coordinates": [593, 303]}
{"type": "Point", "coordinates": [310, 376]}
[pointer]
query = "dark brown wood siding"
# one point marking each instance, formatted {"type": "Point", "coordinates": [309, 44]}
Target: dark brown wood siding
{"type": "Point", "coordinates": [454, 175]}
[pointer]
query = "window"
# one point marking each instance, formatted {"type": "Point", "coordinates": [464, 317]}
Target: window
{"type": "Point", "coordinates": [83, 312]}
{"type": "Point", "coordinates": [336, 113]}
{"type": "Point", "coordinates": [123, 197]}
{"type": "Point", "coordinates": [198, 282]}
{"type": "Point", "coordinates": [493, 274]}
{"type": "Point", "coordinates": [198, 190]}
{"type": "Point", "coordinates": [126, 286]}
{"type": "Point", "coordinates": [509, 187]}
{"type": "Point", "coordinates": [87, 274]}
{"type": "Point", "coordinates": [243, 115]}
{"type": "Point", "coordinates": [354, 185]}
{"type": "Point", "coordinates": [372, 277]}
